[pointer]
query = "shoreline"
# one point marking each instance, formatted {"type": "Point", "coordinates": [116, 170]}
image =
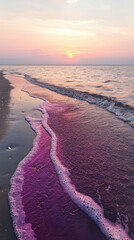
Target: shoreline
{"type": "Point", "coordinates": [16, 140]}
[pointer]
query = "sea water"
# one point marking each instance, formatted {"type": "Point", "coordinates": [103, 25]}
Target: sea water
{"type": "Point", "coordinates": [114, 81]}
{"type": "Point", "coordinates": [82, 155]}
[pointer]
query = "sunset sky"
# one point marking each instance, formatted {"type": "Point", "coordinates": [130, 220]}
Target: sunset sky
{"type": "Point", "coordinates": [66, 31]}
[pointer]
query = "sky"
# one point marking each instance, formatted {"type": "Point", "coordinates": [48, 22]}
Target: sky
{"type": "Point", "coordinates": [66, 31]}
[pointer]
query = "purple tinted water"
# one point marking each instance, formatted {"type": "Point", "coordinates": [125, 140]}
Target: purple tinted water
{"type": "Point", "coordinates": [98, 151]}
{"type": "Point", "coordinates": [48, 208]}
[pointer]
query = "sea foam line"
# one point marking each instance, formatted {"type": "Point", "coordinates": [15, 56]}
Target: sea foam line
{"type": "Point", "coordinates": [122, 111]}
{"type": "Point", "coordinates": [86, 203]}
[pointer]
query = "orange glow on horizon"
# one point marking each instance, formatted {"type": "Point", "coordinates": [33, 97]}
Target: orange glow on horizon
{"type": "Point", "coordinates": [45, 45]}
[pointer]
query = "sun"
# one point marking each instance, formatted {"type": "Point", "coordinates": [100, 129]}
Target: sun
{"type": "Point", "coordinates": [70, 55]}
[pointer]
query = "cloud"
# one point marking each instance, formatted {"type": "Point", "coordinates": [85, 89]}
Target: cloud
{"type": "Point", "coordinates": [72, 1]}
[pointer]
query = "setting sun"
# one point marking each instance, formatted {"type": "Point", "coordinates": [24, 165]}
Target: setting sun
{"type": "Point", "coordinates": [70, 55]}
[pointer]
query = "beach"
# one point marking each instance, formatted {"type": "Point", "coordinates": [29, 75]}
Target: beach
{"type": "Point", "coordinates": [67, 120]}
{"type": "Point", "coordinates": [16, 141]}
{"type": "Point", "coordinates": [75, 171]}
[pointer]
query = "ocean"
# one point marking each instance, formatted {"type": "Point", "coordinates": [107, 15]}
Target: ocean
{"type": "Point", "coordinates": [77, 182]}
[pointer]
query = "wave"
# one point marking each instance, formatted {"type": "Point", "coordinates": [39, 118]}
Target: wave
{"type": "Point", "coordinates": [122, 111]}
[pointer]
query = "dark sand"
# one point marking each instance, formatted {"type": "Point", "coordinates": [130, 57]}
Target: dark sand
{"type": "Point", "coordinates": [5, 220]}
{"type": "Point", "coordinates": [5, 88]}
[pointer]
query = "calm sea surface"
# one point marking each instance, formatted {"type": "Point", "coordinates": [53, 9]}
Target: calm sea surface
{"type": "Point", "coordinates": [112, 81]}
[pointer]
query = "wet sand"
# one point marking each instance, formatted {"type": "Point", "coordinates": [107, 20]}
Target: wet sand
{"type": "Point", "coordinates": [5, 88]}
{"type": "Point", "coordinates": [16, 139]}
{"type": "Point", "coordinates": [5, 220]}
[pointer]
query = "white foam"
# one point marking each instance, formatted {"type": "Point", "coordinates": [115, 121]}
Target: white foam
{"type": "Point", "coordinates": [9, 148]}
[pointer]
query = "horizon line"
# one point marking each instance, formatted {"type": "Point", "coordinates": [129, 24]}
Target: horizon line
{"type": "Point", "coordinates": [68, 64]}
